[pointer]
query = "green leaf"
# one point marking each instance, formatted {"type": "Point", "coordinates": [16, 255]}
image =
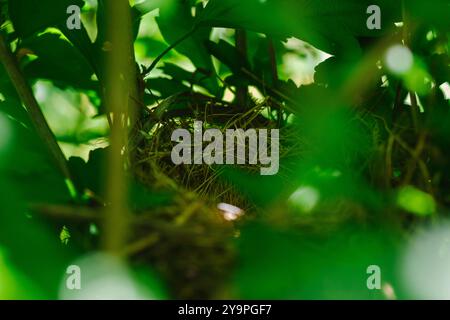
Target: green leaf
{"type": "Point", "coordinates": [416, 201]}
{"type": "Point", "coordinates": [275, 264]}
{"type": "Point", "coordinates": [170, 104]}
{"type": "Point", "coordinates": [327, 24]}
{"type": "Point", "coordinates": [166, 87]}
{"type": "Point", "coordinates": [28, 176]}
{"type": "Point", "coordinates": [29, 16]}
{"type": "Point", "coordinates": [14, 109]}
{"type": "Point", "coordinates": [436, 64]}
{"type": "Point", "coordinates": [26, 161]}
{"type": "Point", "coordinates": [73, 69]}
{"type": "Point", "coordinates": [229, 55]}
{"type": "Point", "coordinates": [142, 198]}
{"type": "Point", "coordinates": [175, 22]}
{"type": "Point", "coordinates": [64, 235]}
{"type": "Point", "coordinates": [260, 190]}
{"type": "Point", "coordinates": [262, 64]}
{"type": "Point", "coordinates": [199, 77]}
{"type": "Point", "coordinates": [10, 102]}
{"type": "Point", "coordinates": [434, 12]}
{"type": "Point", "coordinates": [3, 11]}
{"type": "Point", "coordinates": [24, 240]}
{"type": "Point", "coordinates": [91, 174]}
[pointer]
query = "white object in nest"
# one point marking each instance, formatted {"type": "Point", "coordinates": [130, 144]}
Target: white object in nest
{"type": "Point", "coordinates": [229, 211]}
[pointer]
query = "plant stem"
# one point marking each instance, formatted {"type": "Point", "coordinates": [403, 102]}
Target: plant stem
{"type": "Point", "coordinates": [273, 62]}
{"type": "Point", "coordinates": [119, 84]}
{"type": "Point", "coordinates": [27, 97]}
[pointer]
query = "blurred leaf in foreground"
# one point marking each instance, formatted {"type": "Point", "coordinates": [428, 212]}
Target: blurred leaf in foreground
{"type": "Point", "coordinates": [416, 201]}
{"type": "Point", "coordinates": [289, 265]}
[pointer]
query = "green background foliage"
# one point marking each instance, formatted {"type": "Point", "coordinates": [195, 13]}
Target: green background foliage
{"type": "Point", "coordinates": [364, 151]}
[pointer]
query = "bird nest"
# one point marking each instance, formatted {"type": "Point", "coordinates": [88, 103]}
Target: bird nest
{"type": "Point", "coordinates": [192, 238]}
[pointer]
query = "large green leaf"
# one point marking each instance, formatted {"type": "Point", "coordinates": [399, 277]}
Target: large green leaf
{"type": "Point", "coordinates": [327, 24]}
{"type": "Point", "coordinates": [91, 174]}
{"type": "Point", "coordinates": [166, 87]}
{"type": "Point", "coordinates": [294, 265]}
{"type": "Point", "coordinates": [30, 16]}
{"type": "Point", "coordinates": [199, 77]}
{"type": "Point", "coordinates": [434, 12]}
{"type": "Point", "coordinates": [175, 22]}
{"type": "Point", "coordinates": [229, 55]}
{"type": "Point", "coordinates": [10, 103]}
{"type": "Point", "coordinates": [27, 162]}
{"type": "Point", "coordinates": [59, 61]}
{"type": "Point", "coordinates": [29, 246]}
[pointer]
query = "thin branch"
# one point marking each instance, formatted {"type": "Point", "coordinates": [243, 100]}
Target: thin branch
{"type": "Point", "coordinates": [388, 160]}
{"type": "Point", "coordinates": [241, 46]}
{"type": "Point", "coordinates": [26, 95]}
{"type": "Point", "coordinates": [273, 62]}
{"type": "Point", "coordinates": [140, 245]}
{"type": "Point", "coordinates": [414, 111]}
{"type": "Point", "coordinates": [63, 212]}
{"type": "Point", "coordinates": [147, 71]}
{"type": "Point", "coordinates": [398, 103]}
